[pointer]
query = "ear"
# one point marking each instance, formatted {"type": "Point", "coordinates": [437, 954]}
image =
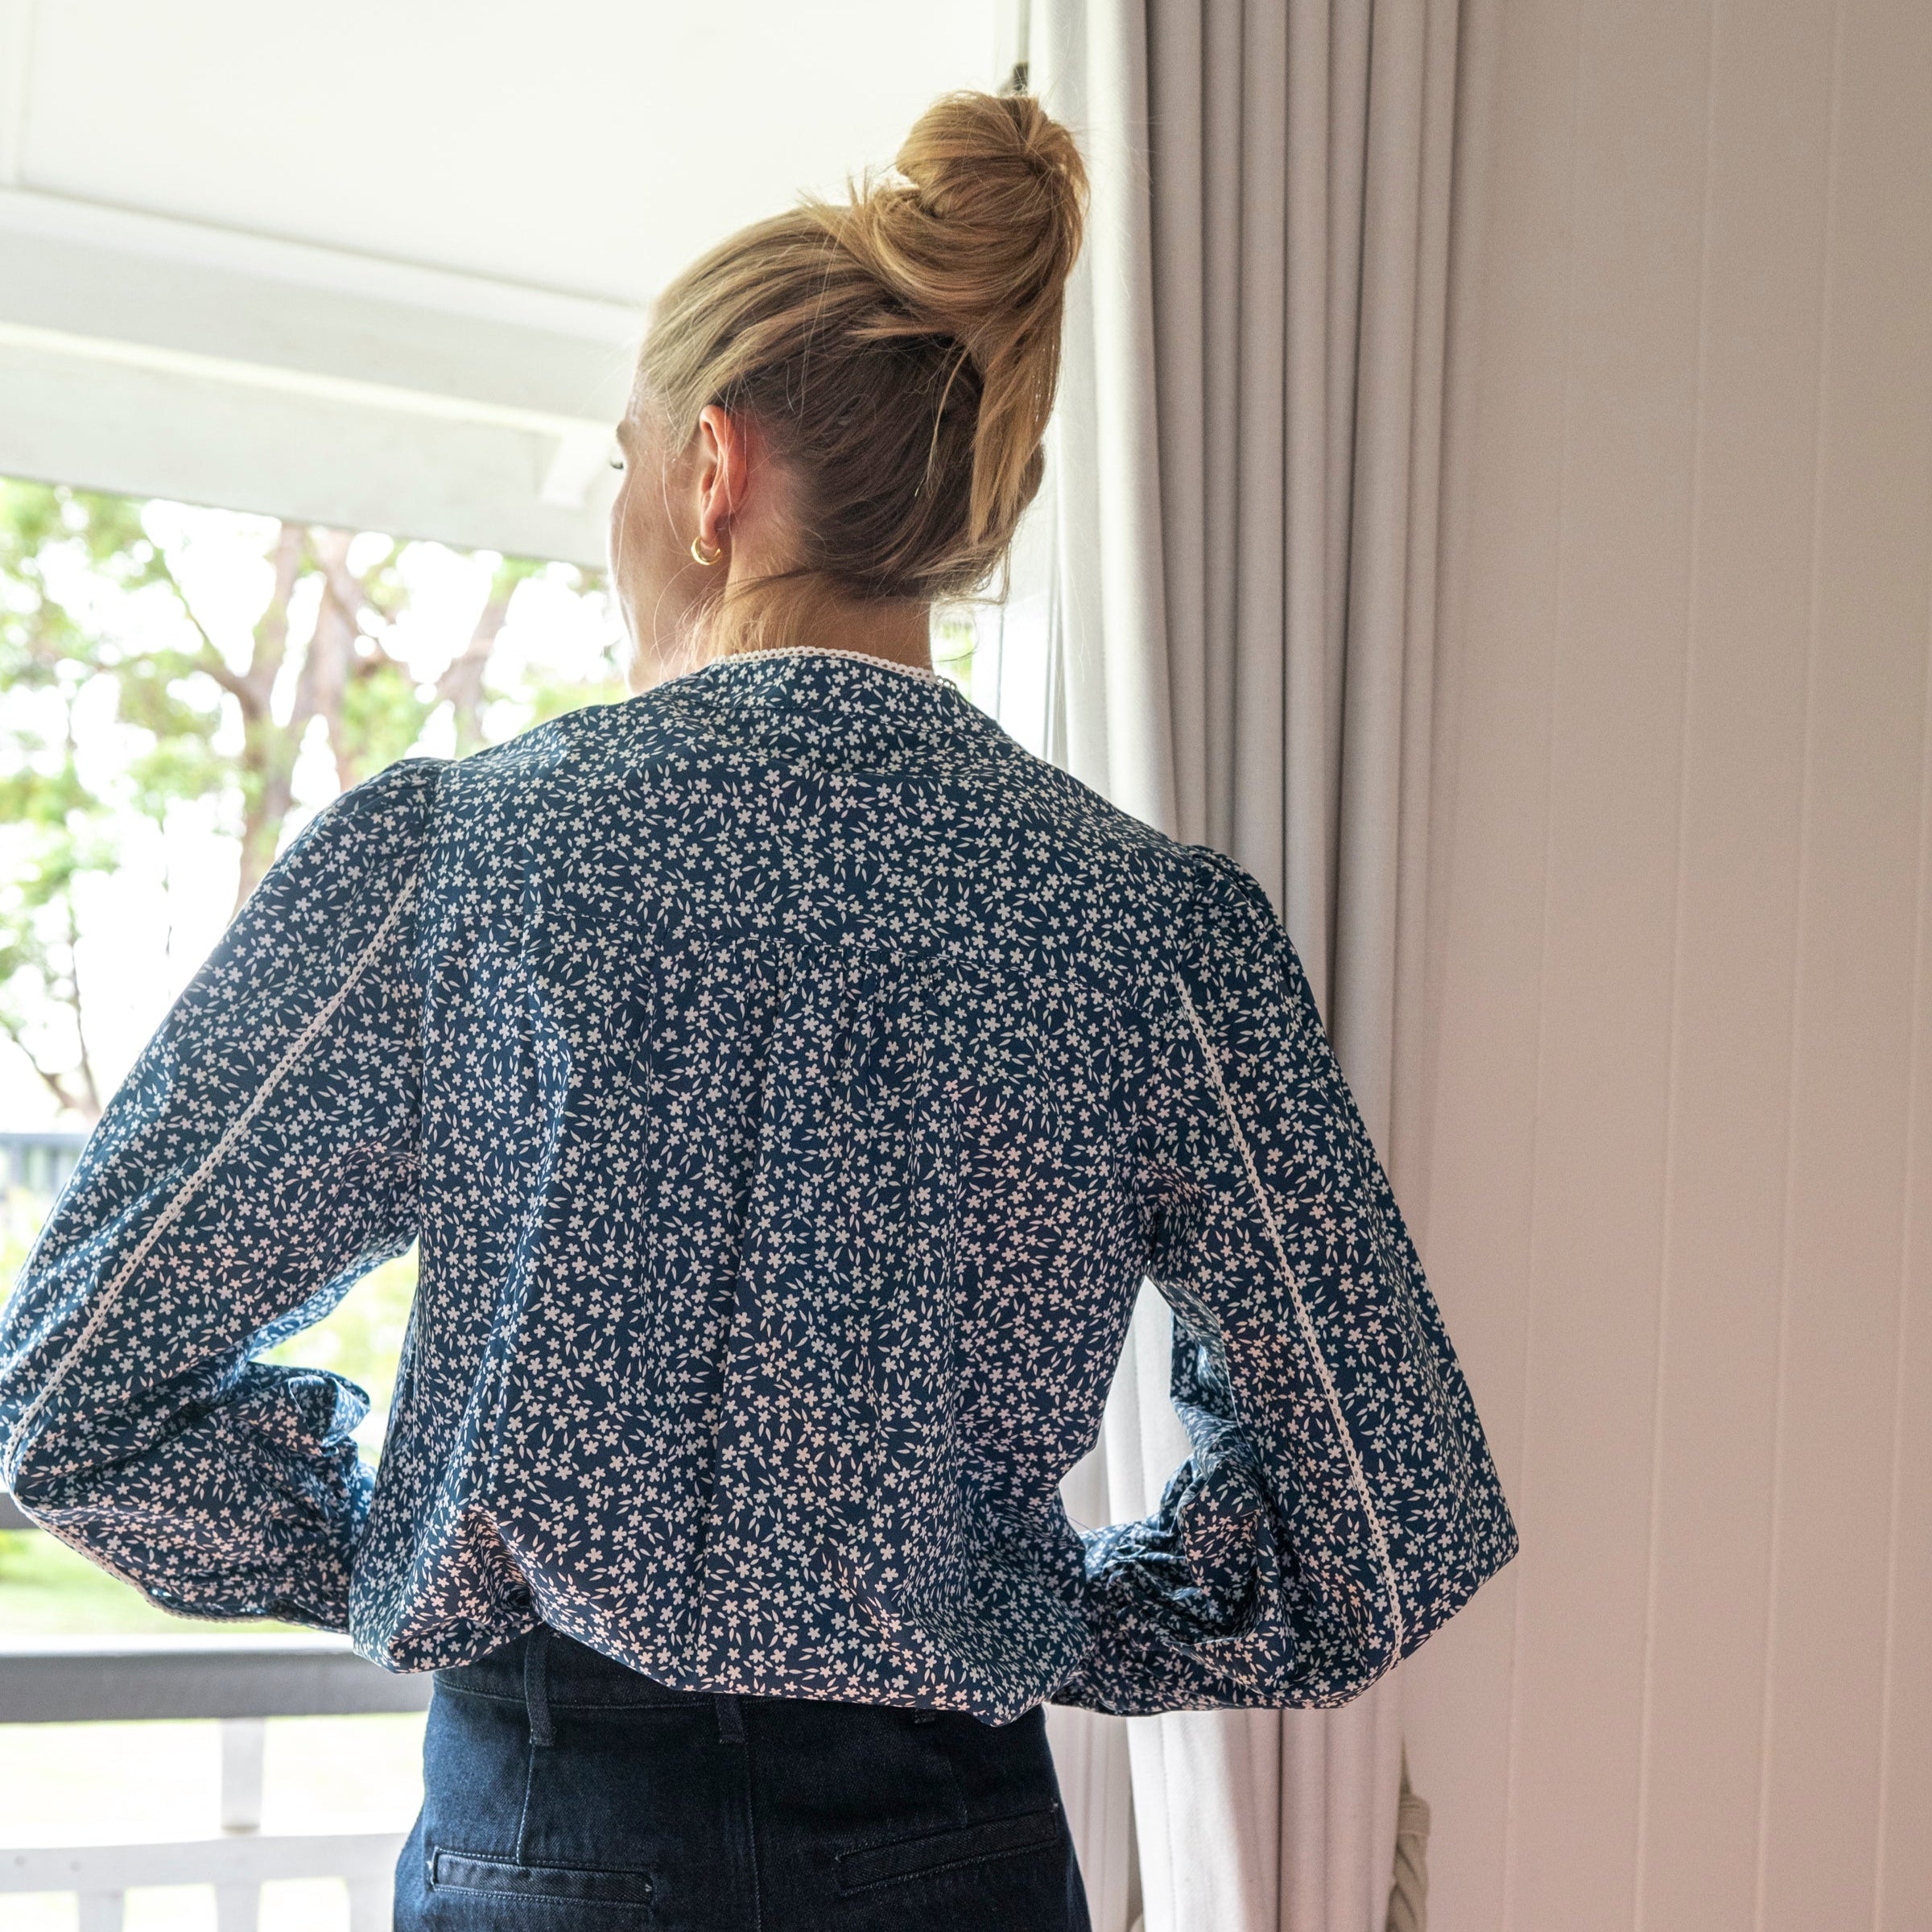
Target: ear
{"type": "Point", "coordinates": [724, 464]}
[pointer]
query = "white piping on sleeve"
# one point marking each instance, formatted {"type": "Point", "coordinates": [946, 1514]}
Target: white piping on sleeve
{"type": "Point", "coordinates": [1302, 1320]}
{"type": "Point", "coordinates": [235, 1130]}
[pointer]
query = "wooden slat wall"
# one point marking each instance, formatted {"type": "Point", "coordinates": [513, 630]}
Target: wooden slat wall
{"type": "Point", "coordinates": [1680, 1190]}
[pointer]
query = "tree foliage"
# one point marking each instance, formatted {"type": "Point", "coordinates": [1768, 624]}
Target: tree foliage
{"type": "Point", "coordinates": [94, 615]}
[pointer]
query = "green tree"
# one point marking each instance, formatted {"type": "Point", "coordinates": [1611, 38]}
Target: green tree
{"type": "Point", "coordinates": [60, 825]}
{"type": "Point", "coordinates": [86, 593]}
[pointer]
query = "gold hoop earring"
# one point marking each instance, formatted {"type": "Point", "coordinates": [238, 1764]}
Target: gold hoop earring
{"type": "Point", "coordinates": [698, 556]}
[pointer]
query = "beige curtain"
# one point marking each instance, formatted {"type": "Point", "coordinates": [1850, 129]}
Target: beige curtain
{"type": "Point", "coordinates": [1240, 594]}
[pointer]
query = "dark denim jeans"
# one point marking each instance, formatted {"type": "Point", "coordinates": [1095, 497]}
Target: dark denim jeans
{"type": "Point", "coordinates": [562, 1790]}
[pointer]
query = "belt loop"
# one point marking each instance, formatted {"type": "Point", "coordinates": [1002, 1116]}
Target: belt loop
{"type": "Point", "coordinates": [731, 1719]}
{"type": "Point", "coordinates": [536, 1690]}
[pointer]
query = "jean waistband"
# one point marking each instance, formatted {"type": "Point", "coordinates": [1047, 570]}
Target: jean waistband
{"type": "Point", "coordinates": [570, 1673]}
{"type": "Point", "coordinates": [544, 1667]}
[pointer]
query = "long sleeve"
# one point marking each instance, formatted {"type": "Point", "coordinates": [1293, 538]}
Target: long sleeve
{"type": "Point", "coordinates": [1340, 1502]}
{"type": "Point", "coordinates": [260, 1156]}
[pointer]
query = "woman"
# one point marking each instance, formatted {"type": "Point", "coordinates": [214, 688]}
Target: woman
{"type": "Point", "coordinates": [789, 1080]}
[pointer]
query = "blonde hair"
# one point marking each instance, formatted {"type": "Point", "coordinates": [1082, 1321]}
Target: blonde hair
{"type": "Point", "coordinates": [900, 350]}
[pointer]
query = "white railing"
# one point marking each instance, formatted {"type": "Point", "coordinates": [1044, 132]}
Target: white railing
{"type": "Point", "coordinates": [39, 1163]}
{"type": "Point", "coordinates": [240, 1682]}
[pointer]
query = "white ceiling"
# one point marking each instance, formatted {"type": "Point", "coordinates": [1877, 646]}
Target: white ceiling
{"type": "Point", "coordinates": [583, 145]}
{"type": "Point", "coordinates": [385, 265]}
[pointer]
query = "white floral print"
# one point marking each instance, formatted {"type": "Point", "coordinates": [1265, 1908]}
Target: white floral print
{"type": "Point", "coordinates": [790, 1081]}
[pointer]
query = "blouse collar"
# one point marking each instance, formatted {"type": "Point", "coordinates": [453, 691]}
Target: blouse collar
{"type": "Point", "coordinates": [864, 659]}
{"type": "Point", "coordinates": [847, 704]}
{"type": "Point", "coordinates": [920, 671]}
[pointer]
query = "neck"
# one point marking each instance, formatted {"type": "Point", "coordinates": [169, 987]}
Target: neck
{"type": "Point", "coordinates": [900, 632]}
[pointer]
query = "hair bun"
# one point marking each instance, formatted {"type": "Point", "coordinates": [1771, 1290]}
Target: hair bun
{"type": "Point", "coordinates": [973, 232]}
{"type": "Point", "coordinates": [989, 222]}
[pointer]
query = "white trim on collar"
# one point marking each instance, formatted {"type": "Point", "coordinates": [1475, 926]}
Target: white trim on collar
{"type": "Point", "coordinates": [824, 650]}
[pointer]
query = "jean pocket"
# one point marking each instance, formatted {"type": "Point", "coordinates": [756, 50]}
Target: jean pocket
{"type": "Point", "coordinates": [564, 1884]}
{"type": "Point", "coordinates": [944, 1851]}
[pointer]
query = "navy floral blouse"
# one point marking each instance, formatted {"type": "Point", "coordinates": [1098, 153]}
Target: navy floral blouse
{"type": "Point", "coordinates": [789, 1081]}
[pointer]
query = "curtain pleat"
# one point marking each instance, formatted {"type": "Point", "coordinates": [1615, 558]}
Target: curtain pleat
{"type": "Point", "coordinates": [1369, 769]}
{"type": "Point", "coordinates": [1182, 252]}
{"type": "Point", "coordinates": [1245, 465]}
{"type": "Point", "coordinates": [1220, 222]}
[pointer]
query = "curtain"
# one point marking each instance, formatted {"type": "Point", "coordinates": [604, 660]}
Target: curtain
{"type": "Point", "coordinates": [1234, 572]}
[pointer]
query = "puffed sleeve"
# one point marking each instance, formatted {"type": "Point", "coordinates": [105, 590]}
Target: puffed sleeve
{"type": "Point", "coordinates": [1340, 1501]}
{"type": "Point", "coordinates": [259, 1158]}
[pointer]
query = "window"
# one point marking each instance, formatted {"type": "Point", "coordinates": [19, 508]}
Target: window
{"type": "Point", "coordinates": [180, 689]}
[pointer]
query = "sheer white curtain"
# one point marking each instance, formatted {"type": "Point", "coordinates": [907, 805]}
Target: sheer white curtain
{"type": "Point", "coordinates": [1236, 579]}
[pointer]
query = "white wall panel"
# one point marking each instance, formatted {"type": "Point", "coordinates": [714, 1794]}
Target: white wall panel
{"type": "Point", "coordinates": [1679, 1192]}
